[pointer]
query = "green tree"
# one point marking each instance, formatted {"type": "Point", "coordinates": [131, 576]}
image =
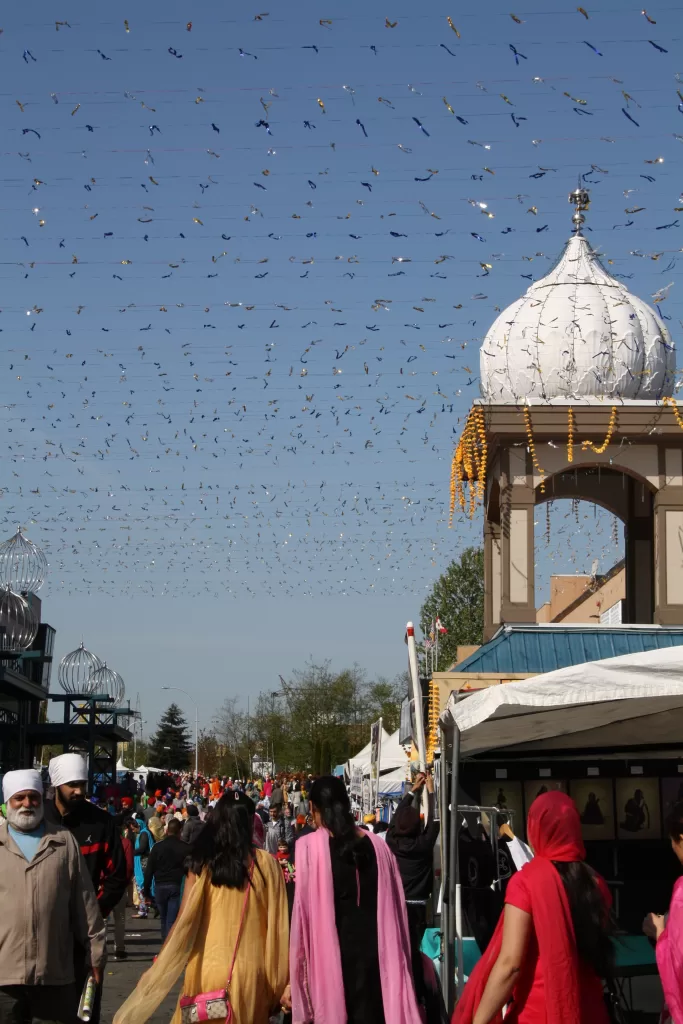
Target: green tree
{"type": "Point", "coordinates": [385, 699]}
{"type": "Point", "coordinates": [316, 706]}
{"type": "Point", "coordinates": [325, 758]}
{"type": "Point", "coordinates": [457, 598]}
{"type": "Point", "coordinates": [170, 747]}
{"type": "Point", "coordinates": [232, 732]}
{"type": "Point", "coordinates": [141, 749]}
{"type": "Point", "coordinates": [210, 760]}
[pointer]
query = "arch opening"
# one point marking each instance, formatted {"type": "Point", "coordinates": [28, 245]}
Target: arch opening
{"type": "Point", "coordinates": [614, 567]}
{"type": "Point", "coordinates": [580, 573]}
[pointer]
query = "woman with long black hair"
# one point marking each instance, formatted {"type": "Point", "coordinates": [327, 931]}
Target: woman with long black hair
{"type": "Point", "coordinates": [552, 948]}
{"type": "Point", "coordinates": [412, 843]}
{"type": "Point", "coordinates": [232, 931]}
{"type": "Point", "coordinates": [349, 952]}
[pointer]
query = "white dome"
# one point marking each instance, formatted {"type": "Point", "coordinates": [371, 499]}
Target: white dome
{"type": "Point", "coordinates": [577, 332]}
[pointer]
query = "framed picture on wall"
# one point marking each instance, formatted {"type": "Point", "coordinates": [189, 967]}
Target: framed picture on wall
{"type": "Point", "coordinates": [595, 801]}
{"type": "Point", "coordinates": [638, 808]}
{"type": "Point", "coordinates": [672, 793]}
{"type": "Point", "coordinates": [508, 796]}
{"type": "Point", "coordinates": [537, 787]}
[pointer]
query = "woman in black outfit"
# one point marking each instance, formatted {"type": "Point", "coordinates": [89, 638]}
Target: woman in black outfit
{"type": "Point", "coordinates": [354, 877]}
{"type": "Point", "coordinates": [413, 846]}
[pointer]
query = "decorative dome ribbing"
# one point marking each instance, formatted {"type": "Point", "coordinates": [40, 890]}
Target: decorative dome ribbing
{"type": "Point", "coordinates": [577, 332]}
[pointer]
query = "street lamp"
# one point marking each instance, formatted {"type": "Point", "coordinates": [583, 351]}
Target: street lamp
{"type": "Point", "coordinates": [196, 724]}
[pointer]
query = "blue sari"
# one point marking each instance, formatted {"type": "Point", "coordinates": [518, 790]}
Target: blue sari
{"type": "Point", "coordinates": [138, 868]}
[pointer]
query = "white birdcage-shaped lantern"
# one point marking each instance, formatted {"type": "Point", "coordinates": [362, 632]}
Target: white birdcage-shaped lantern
{"type": "Point", "coordinates": [106, 682]}
{"type": "Point", "coordinates": [18, 624]}
{"type": "Point", "coordinates": [76, 669]}
{"type": "Point", "coordinates": [23, 565]}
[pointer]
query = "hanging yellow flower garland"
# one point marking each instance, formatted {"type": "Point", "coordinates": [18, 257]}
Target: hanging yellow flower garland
{"type": "Point", "coordinates": [608, 436]}
{"type": "Point", "coordinates": [674, 407]}
{"type": "Point", "coordinates": [468, 468]}
{"type": "Point", "coordinates": [532, 447]}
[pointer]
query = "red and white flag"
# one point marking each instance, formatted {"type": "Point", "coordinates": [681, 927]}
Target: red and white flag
{"type": "Point", "coordinates": [440, 628]}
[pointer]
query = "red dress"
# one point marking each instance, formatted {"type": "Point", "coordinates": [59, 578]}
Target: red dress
{"type": "Point", "coordinates": [529, 1005]}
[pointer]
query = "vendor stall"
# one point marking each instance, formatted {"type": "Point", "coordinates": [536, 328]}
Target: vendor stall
{"type": "Point", "coordinates": [610, 732]}
{"type": "Point", "coordinates": [393, 774]}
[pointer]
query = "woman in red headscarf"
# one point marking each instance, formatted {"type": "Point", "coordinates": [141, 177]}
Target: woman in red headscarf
{"type": "Point", "coordinates": [552, 946]}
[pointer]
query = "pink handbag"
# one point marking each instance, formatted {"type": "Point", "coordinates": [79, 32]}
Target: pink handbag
{"type": "Point", "coordinates": [215, 1005]}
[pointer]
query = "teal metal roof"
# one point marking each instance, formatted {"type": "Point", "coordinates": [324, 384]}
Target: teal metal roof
{"type": "Point", "coordinates": [543, 648]}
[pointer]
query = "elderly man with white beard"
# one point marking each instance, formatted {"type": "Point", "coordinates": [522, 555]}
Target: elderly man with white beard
{"type": "Point", "coordinates": [47, 904]}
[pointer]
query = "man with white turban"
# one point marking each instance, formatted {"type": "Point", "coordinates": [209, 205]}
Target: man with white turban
{"type": "Point", "coordinates": [48, 904]}
{"type": "Point", "coordinates": [98, 837]}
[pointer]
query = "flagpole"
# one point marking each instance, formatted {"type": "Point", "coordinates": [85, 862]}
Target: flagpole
{"type": "Point", "coordinates": [417, 695]}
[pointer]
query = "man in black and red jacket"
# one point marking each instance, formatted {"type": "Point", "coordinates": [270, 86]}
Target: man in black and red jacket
{"type": "Point", "coordinates": [98, 838]}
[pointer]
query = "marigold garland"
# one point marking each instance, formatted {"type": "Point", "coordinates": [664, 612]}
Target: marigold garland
{"type": "Point", "coordinates": [667, 400]}
{"type": "Point", "coordinates": [608, 436]}
{"type": "Point", "coordinates": [532, 448]}
{"type": "Point", "coordinates": [469, 465]}
{"type": "Point", "coordinates": [433, 720]}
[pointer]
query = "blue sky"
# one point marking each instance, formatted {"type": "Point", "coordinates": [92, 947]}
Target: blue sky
{"type": "Point", "coordinates": [240, 347]}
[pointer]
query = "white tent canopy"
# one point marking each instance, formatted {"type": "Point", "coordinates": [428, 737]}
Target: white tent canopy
{"type": "Point", "coordinates": [362, 758]}
{"type": "Point", "coordinates": [392, 764]}
{"type": "Point", "coordinates": [635, 700]}
{"type": "Point", "coordinates": [393, 783]}
{"type": "Point", "coordinates": [392, 755]}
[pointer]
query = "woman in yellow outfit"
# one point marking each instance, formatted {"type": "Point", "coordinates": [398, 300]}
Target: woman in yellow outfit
{"type": "Point", "coordinates": [234, 906]}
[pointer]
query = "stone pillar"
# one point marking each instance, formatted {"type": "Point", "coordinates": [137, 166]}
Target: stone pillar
{"type": "Point", "coordinates": [639, 553]}
{"type": "Point", "coordinates": [668, 560]}
{"type": "Point", "coordinates": [517, 537]}
{"type": "Point", "coordinates": [493, 578]}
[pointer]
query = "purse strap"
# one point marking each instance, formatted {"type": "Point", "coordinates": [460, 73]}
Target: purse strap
{"type": "Point", "coordinates": [239, 930]}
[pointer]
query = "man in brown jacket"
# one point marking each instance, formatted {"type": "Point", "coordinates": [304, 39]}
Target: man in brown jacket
{"type": "Point", "coordinates": [47, 903]}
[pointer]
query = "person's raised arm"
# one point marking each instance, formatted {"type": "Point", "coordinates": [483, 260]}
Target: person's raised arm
{"type": "Point", "coordinates": [407, 799]}
{"type": "Point", "coordinates": [505, 971]}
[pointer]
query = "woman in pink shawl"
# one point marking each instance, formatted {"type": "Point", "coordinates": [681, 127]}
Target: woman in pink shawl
{"type": "Point", "coordinates": [668, 932]}
{"type": "Point", "coordinates": [349, 951]}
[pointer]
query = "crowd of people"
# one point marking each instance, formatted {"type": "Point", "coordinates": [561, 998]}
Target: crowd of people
{"type": "Point", "coordinates": [271, 898]}
{"type": "Point", "coordinates": [275, 903]}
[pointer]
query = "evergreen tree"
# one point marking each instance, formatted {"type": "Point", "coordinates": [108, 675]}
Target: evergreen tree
{"type": "Point", "coordinates": [170, 747]}
{"type": "Point", "coordinates": [325, 758]}
{"type": "Point", "coordinates": [317, 757]}
{"type": "Point", "coordinates": [457, 598]}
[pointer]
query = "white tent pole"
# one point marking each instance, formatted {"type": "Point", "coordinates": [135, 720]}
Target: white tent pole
{"type": "Point", "coordinates": [417, 696]}
{"type": "Point", "coordinates": [455, 888]}
{"type": "Point", "coordinates": [446, 956]}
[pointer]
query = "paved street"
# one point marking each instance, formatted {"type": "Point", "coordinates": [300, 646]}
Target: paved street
{"type": "Point", "coordinates": [143, 942]}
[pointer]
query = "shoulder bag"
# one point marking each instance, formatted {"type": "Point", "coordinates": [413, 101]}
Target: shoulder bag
{"type": "Point", "coordinates": [215, 1005]}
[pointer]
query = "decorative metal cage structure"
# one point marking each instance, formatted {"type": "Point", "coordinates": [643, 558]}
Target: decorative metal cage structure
{"type": "Point", "coordinates": [76, 669]}
{"type": "Point", "coordinates": [18, 624]}
{"type": "Point", "coordinates": [23, 565]}
{"type": "Point", "coordinates": [105, 680]}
